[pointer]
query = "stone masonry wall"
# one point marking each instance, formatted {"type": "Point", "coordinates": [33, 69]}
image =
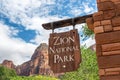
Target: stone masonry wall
{"type": "Point", "coordinates": [106, 25]}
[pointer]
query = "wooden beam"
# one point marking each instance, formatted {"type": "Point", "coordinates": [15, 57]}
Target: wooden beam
{"type": "Point", "coordinates": [66, 22]}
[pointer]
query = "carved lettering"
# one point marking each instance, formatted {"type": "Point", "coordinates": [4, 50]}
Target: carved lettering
{"type": "Point", "coordinates": [51, 50]}
{"type": "Point", "coordinates": [60, 59]}
{"type": "Point", "coordinates": [63, 49]}
{"type": "Point", "coordinates": [71, 58]}
{"type": "Point", "coordinates": [56, 40]}
{"type": "Point", "coordinates": [64, 40]}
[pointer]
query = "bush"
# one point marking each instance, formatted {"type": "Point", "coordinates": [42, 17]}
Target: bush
{"type": "Point", "coordinates": [32, 78]}
{"type": "Point", "coordinates": [9, 74]}
{"type": "Point", "coordinates": [88, 68]}
{"type": "Point", "coordinates": [5, 73]}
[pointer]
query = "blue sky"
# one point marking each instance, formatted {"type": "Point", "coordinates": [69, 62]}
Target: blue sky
{"type": "Point", "coordinates": [20, 23]}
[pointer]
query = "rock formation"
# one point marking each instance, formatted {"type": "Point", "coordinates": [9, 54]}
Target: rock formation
{"type": "Point", "coordinates": [8, 64]}
{"type": "Point", "coordinates": [37, 65]}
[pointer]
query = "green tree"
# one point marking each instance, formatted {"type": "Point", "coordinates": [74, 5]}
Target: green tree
{"type": "Point", "coordinates": [9, 74]}
{"type": "Point", "coordinates": [39, 77]}
{"type": "Point", "coordinates": [87, 32]}
{"type": "Point", "coordinates": [88, 69]}
{"type": "Point", "coordinates": [5, 73]}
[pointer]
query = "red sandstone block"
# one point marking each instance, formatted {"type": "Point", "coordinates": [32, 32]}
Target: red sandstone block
{"type": "Point", "coordinates": [117, 52]}
{"type": "Point", "coordinates": [101, 72]}
{"type": "Point", "coordinates": [109, 14]}
{"type": "Point", "coordinates": [111, 47]}
{"type": "Point", "coordinates": [110, 37]}
{"type": "Point", "coordinates": [108, 5]}
{"type": "Point", "coordinates": [112, 77]}
{"type": "Point", "coordinates": [117, 12]}
{"type": "Point", "coordinates": [118, 5]}
{"type": "Point", "coordinates": [116, 28]}
{"type": "Point", "coordinates": [97, 23]}
{"type": "Point", "coordinates": [106, 22]}
{"type": "Point", "coordinates": [115, 1]}
{"type": "Point", "coordinates": [116, 21]}
{"type": "Point", "coordinates": [118, 9]}
{"type": "Point", "coordinates": [112, 69]}
{"type": "Point", "coordinates": [90, 22]}
{"type": "Point", "coordinates": [108, 28]}
{"type": "Point", "coordinates": [98, 1]}
{"type": "Point", "coordinates": [98, 16]}
{"type": "Point", "coordinates": [104, 0]}
{"type": "Point", "coordinates": [109, 61]}
{"type": "Point", "coordinates": [98, 50]}
{"type": "Point", "coordinates": [98, 30]}
{"type": "Point", "coordinates": [112, 73]}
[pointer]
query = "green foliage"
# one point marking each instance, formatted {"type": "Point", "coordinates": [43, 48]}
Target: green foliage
{"type": "Point", "coordinates": [9, 74]}
{"type": "Point", "coordinates": [87, 32]}
{"type": "Point", "coordinates": [32, 78]}
{"type": "Point", "coordinates": [5, 73]}
{"type": "Point", "coordinates": [88, 68]}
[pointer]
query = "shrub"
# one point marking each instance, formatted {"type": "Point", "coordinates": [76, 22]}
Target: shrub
{"type": "Point", "coordinates": [5, 73]}
{"type": "Point", "coordinates": [88, 68]}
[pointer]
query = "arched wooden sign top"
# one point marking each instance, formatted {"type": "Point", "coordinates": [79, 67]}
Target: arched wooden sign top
{"type": "Point", "coordinates": [64, 51]}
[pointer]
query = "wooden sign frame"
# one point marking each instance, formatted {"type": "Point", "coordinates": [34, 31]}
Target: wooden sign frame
{"type": "Point", "coordinates": [64, 51]}
{"type": "Point", "coordinates": [66, 22]}
{"type": "Point", "coordinates": [60, 24]}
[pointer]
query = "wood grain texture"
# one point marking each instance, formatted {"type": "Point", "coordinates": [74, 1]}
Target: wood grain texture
{"type": "Point", "coordinates": [64, 66]}
{"type": "Point", "coordinates": [67, 22]}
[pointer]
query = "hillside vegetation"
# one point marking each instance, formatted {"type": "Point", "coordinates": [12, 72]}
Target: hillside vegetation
{"type": "Point", "coordinates": [9, 74]}
{"type": "Point", "coordinates": [88, 70]}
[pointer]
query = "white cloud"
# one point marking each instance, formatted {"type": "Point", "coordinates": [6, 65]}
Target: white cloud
{"type": "Point", "coordinates": [82, 9]}
{"type": "Point", "coordinates": [76, 11]}
{"type": "Point", "coordinates": [42, 34]}
{"type": "Point", "coordinates": [21, 11]}
{"type": "Point", "coordinates": [13, 48]}
{"type": "Point", "coordinates": [88, 9]}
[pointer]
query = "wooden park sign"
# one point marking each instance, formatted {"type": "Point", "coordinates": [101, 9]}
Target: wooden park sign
{"type": "Point", "coordinates": [64, 51]}
{"type": "Point", "coordinates": [64, 48]}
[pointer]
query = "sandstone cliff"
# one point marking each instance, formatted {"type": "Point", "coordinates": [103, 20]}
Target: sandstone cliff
{"type": "Point", "coordinates": [37, 65]}
{"type": "Point", "coordinates": [8, 64]}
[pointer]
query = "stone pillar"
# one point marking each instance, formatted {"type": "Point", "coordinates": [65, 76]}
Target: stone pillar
{"type": "Point", "coordinates": [106, 25]}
